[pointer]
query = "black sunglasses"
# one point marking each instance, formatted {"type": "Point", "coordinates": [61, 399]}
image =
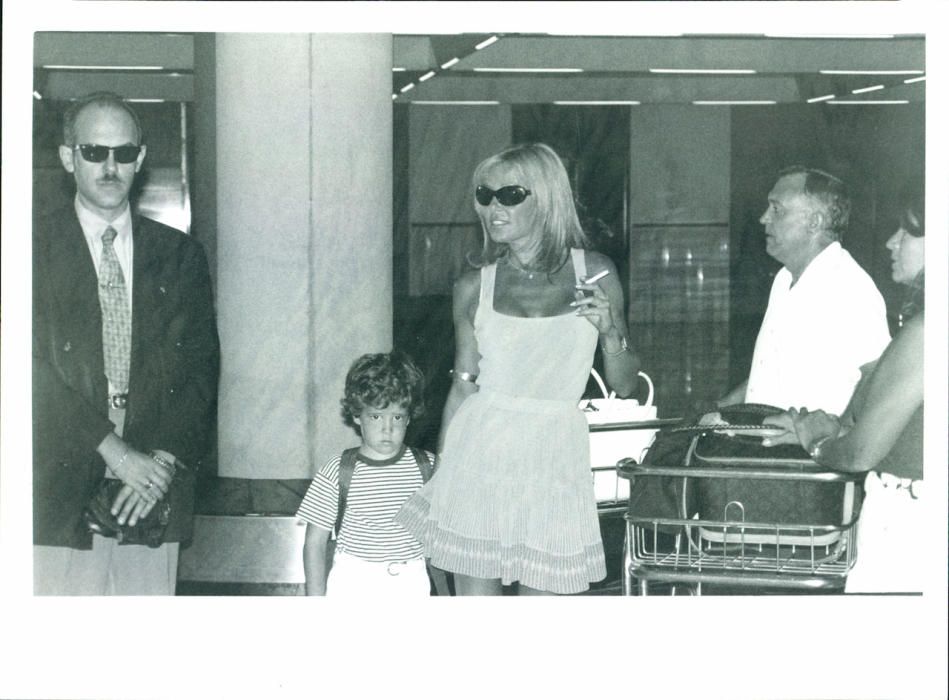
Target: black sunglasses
{"type": "Point", "coordinates": [509, 195]}
{"type": "Point", "coordinates": [94, 153]}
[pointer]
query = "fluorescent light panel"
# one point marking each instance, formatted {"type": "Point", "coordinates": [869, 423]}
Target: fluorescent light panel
{"type": "Point", "coordinates": [706, 71]}
{"type": "Point", "coordinates": [734, 102]}
{"type": "Point", "coordinates": [455, 102]}
{"type": "Point", "coordinates": [528, 70]}
{"type": "Point", "coordinates": [871, 88]}
{"type": "Point", "coordinates": [871, 72]}
{"type": "Point", "coordinates": [486, 42]}
{"type": "Point", "coordinates": [398, 69]}
{"type": "Point", "coordinates": [448, 64]}
{"type": "Point", "coordinates": [915, 80]}
{"type": "Point", "coordinates": [425, 77]}
{"type": "Point", "coordinates": [868, 102]}
{"type": "Point", "coordinates": [407, 87]}
{"type": "Point", "coordinates": [596, 102]}
{"type": "Point", "coordinates": [58, 67]}
{"type": "Point", "coordinates": [144, 99]}
{"type": "Point", "coordinates": [822, 98]}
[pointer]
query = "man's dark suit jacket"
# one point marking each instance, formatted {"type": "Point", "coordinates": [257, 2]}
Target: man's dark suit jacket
{"type": "Point", "coordinates": [173, 375]}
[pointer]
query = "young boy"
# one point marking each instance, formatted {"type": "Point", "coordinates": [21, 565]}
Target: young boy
{"type": "Point", "coordinates": [374, 556]}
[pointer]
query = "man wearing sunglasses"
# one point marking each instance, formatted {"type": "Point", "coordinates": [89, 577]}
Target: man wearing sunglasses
{"type": "Point", "coordinates": [125, 364]}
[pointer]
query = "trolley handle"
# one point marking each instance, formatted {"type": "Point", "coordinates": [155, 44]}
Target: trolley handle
{"type": "Point", "coordinates": [628, 469]}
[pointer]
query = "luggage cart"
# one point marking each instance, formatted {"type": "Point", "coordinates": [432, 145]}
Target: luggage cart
{"type": "Point", "coordinates": [726, 549]}
{"type": "Point", "coordinates": [612, 498]}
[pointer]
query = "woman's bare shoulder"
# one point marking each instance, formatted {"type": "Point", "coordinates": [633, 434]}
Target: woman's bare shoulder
{"type": "Point", "coordinates": [469, 284]}
{"type": "Point", "coordinates": [596, 262]}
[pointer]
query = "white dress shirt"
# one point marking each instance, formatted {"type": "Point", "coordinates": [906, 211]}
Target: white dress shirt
{"type": "Point", "coordinates": [816, 334]}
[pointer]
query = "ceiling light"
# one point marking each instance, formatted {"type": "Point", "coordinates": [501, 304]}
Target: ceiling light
{"type": "Point", "coordinates": [596, 102]}
{"type": "Point", "coordinates": [528, 70]}
{"type": "Point", "coordinates": [486, 42]}
{"type": "Point", "coordinates": [867, 89]}
{"type": "Point", "coordinates": [821, 98]}
{"type": "Point", "coordinates": [37, 95]}
{"type": "Point", "coordinates": [57, 67]}
{"type": "Point", "coordinates": [915, 80]}
{"type": "Point", "coordinates": [720, 71]}
{"type": "Point", "coordinates": [734, 102]}
{"type": "Point", "coordinates": [868, 102]}
{"type": "Point", "coordinates": [448, 64]}
{"type": "Point", "coordinates": [872, 72]}
{"type": "Point", "coordinates": [425, 77]}
{"type": "Point", "coordinates": [455, 102]}
{"type": "Point", "coordinates": [407, 87]}
{"type": "Point", "coordinates": [144, 99]}
{"type": "Point", "coordinates": [398, 69]}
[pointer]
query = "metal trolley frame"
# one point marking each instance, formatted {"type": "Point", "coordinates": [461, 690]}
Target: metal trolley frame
{"type": "Point", "coordinates": [731, 551]}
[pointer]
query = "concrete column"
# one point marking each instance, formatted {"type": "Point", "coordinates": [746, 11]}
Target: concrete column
{"type": "Point", "coordinates": [304, 159]}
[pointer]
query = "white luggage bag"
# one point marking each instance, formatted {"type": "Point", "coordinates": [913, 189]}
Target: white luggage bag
{"type": "Point", "coordinates": [608, 446]}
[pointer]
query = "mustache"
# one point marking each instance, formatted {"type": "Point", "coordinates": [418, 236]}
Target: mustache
{"type": "Point", "coordinates": [110, 178]}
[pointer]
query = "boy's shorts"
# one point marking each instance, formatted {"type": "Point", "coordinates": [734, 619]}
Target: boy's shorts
{"type": "Point", "coordinates": [352, 577]}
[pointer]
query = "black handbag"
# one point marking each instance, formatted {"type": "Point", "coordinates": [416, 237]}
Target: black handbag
{"type": "Point", "coordinates": [169, 520]}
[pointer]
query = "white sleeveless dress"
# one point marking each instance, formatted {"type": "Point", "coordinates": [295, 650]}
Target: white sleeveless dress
{"type": "Point", "coordinates": [513, 494]}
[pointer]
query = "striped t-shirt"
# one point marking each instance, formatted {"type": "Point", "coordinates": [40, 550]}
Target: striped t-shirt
{"type": "Point", "coordinates": [376, 493]}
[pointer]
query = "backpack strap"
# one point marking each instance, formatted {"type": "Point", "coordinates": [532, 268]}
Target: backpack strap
{"type": "Point", "coordinates": [425, 465]}
{"type": "Point", "coordinates": [347, 465]}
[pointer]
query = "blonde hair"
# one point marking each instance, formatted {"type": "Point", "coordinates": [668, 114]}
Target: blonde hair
{"type": "Point", "coordinates": [542, 172]}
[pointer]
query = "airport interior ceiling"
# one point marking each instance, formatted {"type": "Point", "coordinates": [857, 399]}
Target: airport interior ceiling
{"type": "Point", "coordinates": [523, 68]}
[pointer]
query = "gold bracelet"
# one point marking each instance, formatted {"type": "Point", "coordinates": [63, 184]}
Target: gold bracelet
{"type": "Point", "coordinates": [624, 347]}
{"type": "Point", "coordinates": [465, 376]}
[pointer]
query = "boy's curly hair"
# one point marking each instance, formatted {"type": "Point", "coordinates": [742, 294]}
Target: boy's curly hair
{"type": "Point", "coordinates": [380, 379]}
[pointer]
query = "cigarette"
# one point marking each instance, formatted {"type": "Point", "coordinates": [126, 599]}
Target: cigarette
{"type": "Point", "coordinates": [597, 277]}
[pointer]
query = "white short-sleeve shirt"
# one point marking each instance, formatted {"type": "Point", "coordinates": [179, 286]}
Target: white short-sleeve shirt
{"type": "Point", "coordinates": [816, 334]}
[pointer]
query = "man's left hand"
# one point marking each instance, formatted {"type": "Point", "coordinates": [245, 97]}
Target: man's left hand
{"type": "Point", "coordinates": [130, 507]}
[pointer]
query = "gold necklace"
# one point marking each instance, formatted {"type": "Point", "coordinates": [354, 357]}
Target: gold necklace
{"type": "Point", "coordinates": [512, 262]}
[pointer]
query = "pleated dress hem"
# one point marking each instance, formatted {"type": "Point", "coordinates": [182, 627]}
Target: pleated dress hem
{"type": "Point", "coordinates": [562, 574]}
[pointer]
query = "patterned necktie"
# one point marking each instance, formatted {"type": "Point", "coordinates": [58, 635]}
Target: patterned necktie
{"type": "Point", "coordinates": [116, 316]}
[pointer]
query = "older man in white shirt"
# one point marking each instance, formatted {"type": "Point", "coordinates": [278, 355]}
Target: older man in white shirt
{"type": "Point", "coordinates": [825, 316]}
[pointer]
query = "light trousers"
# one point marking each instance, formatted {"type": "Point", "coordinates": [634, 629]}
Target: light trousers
{"type": "Point", "coordinates": [890, 537]}
{"type": "Point", "coordinates": [352, 577]}
{"type": "Point", "coordinates": [107, 569]}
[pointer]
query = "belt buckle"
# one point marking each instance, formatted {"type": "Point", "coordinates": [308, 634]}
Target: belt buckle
{"type": "Point", "coordinates": [118, 401]}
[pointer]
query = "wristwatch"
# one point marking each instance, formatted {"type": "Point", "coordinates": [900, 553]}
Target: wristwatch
{"type": "Point", "coordinates": [815, 449]}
